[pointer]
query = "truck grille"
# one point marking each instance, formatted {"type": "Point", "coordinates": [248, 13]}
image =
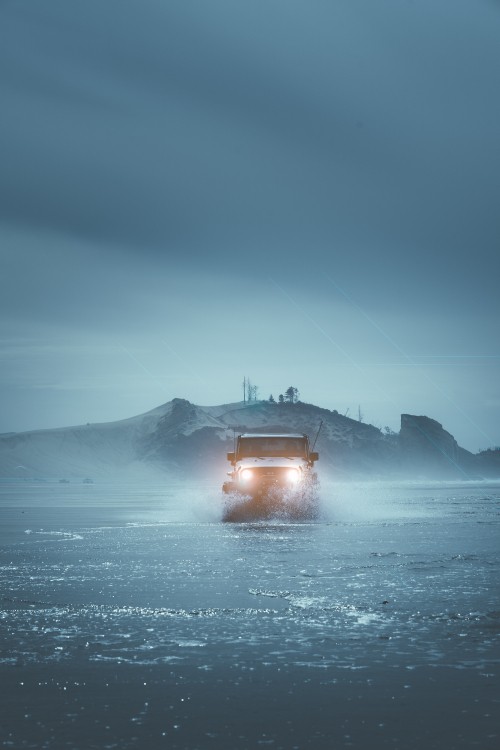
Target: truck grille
{"type": "Point", "coordinates": [270, 474]}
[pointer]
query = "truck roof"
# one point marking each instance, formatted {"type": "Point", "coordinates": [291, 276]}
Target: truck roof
{"type": "Point", "coordinates": [272, 435]}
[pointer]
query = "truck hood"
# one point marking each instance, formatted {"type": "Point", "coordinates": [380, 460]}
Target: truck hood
{"type": "Point", "coordinates": [278, 462]}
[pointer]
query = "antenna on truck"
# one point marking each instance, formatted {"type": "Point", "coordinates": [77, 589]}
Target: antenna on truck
{"type": "Point", "coordinates": [317, 434]}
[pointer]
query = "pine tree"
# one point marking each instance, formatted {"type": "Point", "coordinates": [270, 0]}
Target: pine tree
{"type": "Point", "coordinates": [292, 395]}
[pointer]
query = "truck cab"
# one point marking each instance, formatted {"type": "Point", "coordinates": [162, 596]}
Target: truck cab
{"type": "Point", "coordinates": [263, 462]}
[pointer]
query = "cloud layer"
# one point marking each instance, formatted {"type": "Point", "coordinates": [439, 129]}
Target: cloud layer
{"type": "Point", "coordinates": [165, 163]}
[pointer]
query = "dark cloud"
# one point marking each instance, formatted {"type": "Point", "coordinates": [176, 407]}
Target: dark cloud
{"type": "Point", "coordinates": [146, 144]}
{"type": "Point", "coordinates": [181, 126]}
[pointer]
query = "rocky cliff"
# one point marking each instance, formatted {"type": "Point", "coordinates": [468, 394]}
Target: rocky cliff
{"type": "Point", "coordinates": [426, 447]}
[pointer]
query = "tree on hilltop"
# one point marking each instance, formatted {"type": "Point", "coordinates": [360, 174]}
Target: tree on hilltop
{"type": "Point", "coordinates": [292, 395]}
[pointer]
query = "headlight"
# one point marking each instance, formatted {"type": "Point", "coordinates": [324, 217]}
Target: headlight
{"type": "Point", "coordinates": [246, 475]}
{"type": "Point", "coordinates": [293, 476]}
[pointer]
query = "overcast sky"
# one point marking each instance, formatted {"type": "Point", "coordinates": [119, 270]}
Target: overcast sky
{"type": "Point", "coordinates": [305, 193]}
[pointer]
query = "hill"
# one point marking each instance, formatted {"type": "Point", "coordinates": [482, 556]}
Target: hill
{"type": "Point", "coordinates": [183, 439]}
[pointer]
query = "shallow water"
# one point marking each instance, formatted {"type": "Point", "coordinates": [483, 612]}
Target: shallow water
{"type": "Point", "coordinates": [132, 617]}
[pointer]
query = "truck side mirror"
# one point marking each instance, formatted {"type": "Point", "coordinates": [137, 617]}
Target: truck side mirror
{"type": "Point", "coordinates": [231, 457]}
{"type": "Point", "coordinates": [313, 456]}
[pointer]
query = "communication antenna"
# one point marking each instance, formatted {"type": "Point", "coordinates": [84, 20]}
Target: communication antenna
{"type": "Point", "coordinates": [317, 434]}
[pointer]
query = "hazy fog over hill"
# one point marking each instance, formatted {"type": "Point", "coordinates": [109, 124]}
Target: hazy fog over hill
{"type": "Point", "coordinates": [184, 440]}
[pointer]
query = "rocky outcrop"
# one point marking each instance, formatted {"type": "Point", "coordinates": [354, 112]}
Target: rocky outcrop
{"type": "Point", "coordinates": [426, 448]}
{"type": "Point", "coordinates": [424, 441]}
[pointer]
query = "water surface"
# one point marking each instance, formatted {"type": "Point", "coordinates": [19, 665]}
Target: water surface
{"type": "Point", "coordinates": [132, 617]}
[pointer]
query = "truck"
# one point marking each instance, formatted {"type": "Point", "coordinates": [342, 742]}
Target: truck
{"type": "Point", "coordinates": [272, 474]}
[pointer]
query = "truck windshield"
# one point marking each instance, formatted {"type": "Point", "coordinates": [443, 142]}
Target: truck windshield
{"type": "Point", "coordinates": [272, 446]}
